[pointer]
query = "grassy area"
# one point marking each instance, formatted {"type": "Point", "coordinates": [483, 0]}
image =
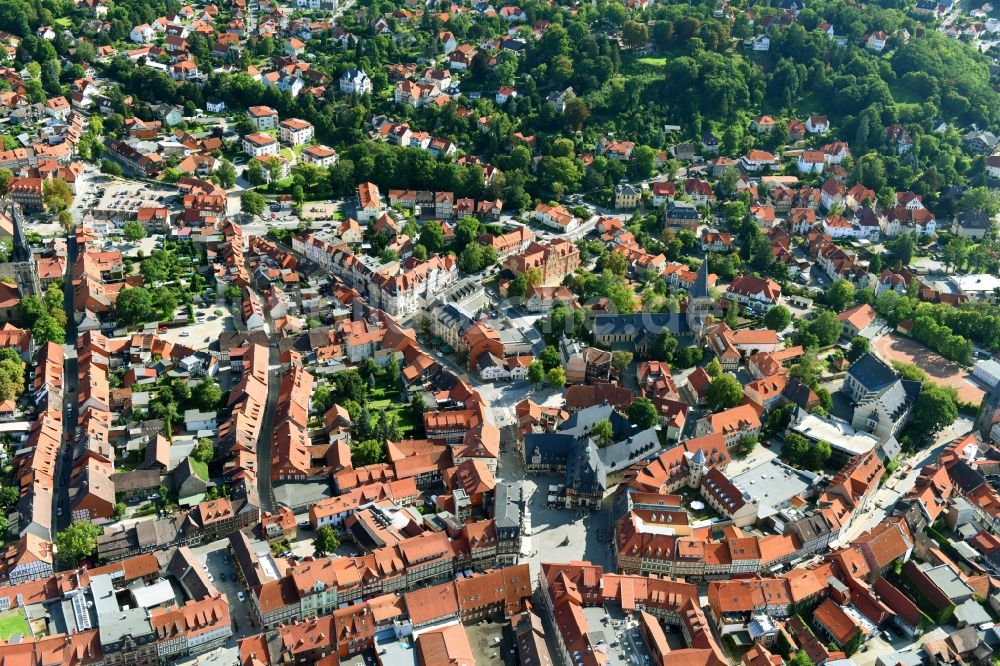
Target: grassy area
{"type": "Point", "coordinates": [200, 468]}
{"type": "Point", "coordinates": [653, 62]}
{"type": "Point", "coordinates": [13, 622]}
{"type": "Point", "coordinates": [904, 94]}
{"type": "Point", "coordinates": [406, 420]}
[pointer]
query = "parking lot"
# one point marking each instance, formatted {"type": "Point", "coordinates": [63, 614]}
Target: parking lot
{"type": "Point", "coordinates": [216, 554]}
{"type": "Point", "coordinates": [112, 198]}
{"type": "Point", "coordinates": [201, 334]}
{"type": "Point", "coordinates": [319, 210]}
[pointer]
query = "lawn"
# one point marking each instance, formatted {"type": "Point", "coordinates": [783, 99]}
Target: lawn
{"type": "Point", "coordinates": [407, 423]}
{"type": "Point", "coordinates": [200, 468]}
{"type": "Point", "coordinates": [653, 62]}
{"type": "Point", "coordinates": [13, 622]}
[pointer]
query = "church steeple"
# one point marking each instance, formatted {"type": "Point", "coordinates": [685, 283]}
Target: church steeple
{"type": "Point", "coordinates": [700, 288]}
{"type": "Point", "coordinates": [989, 413]}
{"type": "Point", "coordinates": [700, 305]}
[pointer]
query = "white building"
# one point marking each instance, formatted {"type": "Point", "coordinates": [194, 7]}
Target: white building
{"type": "Point", "coordinates": [988, 372]}
{"type": "Point", "coordinates": [321, 156]}
{"type": "Point", "coordinates": [296, 132]}
{"type": "Point", "coordinates": [978, 287]}
{"type": "Point", "coordinates": [355, 82]}
{"type": "Point", "coordinates": [811, 161]}
{"type": "Point", "coordinates": [258, 145]}
{"type": "Point", "coordinates": [263, 117]}
{"type": "Point", "coordinates": [142, 34]}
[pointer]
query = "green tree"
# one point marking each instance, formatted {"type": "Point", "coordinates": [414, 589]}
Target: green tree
{"type": "Point", "coordinates": [135, 306]}
{"type": "Point", "coordinates": [724, 392]}
{"type": "Point", "coordinates": [536, 373]}
{"type": "Point", "coordinates": [32, 307]}
{"type": "Point", "coordinates": [840, 295]}
{"type": "Point", "coordinates": [808, 370]}
{"type": "Point", "coordinates": [664, 347]}
{"type": "Point", "coordinates": [77, 541]}
{"type": "Point", "coordinates": [603, 432]}
{"type": "Point", "coordinates": [366, 452]}
{"type": "Point", "coordinates": [714, 368]}
{"type": "Point", "coordinates": [556, 377]}
{"type": "Point", "coordinates": [825, 399]}
{"type": "Point", "coordinates": [252, 203]}
{"type": "Point", "coordinates": [800, 658]}
{"type": "Point", "coordinates": [119, 511]}
{"type": "Point", "coordinates": [47, 329]}
{"type": "Point", "coordinates": [688, 357]}
{"type": "Point", "coordinates": [326, 540]}
{"type": "Point", "coordinates": [6, 176]}
{"type": "Point", "coordinates": [818, 456]}
{"type": "Point", "coordinates": [620, 361]}
{"type": "Point", "coordinates": [226, 173]}
{"type": "Point", "coordinates": [778, 318]}
{"type": "Point", "coordinates": [256, 174]}
{"type": "Point", "coordinates": [616, 262]}
{"type": "Point", "coordinates": [111, 168]}
{"type": "Point", "coordinates": [204, 451]}
{"type": "Point", "coordinates": [11, 374]}
{"type": "Point", "coordinates": [207, 394]}
{"type": "Point", "coordinates": [746, 445]}
{"type": "Point", "coordinates": [133, 231]}
{"type": "Point", "coordinates": [934, 410]}
{"type": "Point", "coordinates": [642, 163]}
{"type": "Point", "coordinates": [642, 413]}
{"type": "Point", "coordinates": [795, 449]}
{"type": "Point", "coordinates": [56, 194]}
{"type": "Point", "coordinates": [550, 358]}
{"type": "Point", "coordinates": [859, 346]}
{"type": "Point", "coordinates": [825, 327]}
{"type": "Point", "coordinates": [902, 248]}
{"type": "Point", "coordinates": [981, 198]}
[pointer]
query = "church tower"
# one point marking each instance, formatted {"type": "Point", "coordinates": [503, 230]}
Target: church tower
{"type": "Point", "coordinates": [700, 306]}
{"type": "Point", "coordinates": [989, 413]}
{"type": "Point", "coordinates": [697, 468]}
{"type": "Point", "coordinates": [23, 266]}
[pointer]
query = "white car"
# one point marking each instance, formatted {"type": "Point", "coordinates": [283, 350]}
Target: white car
{"type": "Point", "coordinates": [211, 578]}
{"type": "Point", "coordinates": [241, 596]}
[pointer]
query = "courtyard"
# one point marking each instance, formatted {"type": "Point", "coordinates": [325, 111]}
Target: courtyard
{"type": "Point", "coordinates": [893, 347]}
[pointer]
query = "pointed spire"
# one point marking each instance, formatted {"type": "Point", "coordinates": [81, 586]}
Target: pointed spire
{"type": "Point", "coordinates": [700, 288]}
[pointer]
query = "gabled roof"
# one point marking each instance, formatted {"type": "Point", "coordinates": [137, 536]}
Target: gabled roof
{"type": "Point", "coordinates": [871, 372]}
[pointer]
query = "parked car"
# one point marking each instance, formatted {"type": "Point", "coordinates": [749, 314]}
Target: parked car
{"type": "Point", "coordinates": [242, 597]}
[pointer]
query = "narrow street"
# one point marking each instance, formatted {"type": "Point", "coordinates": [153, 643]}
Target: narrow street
{"type": "Point", "coordinates": [264, 485]}
{"type": "Point", "coordinates": [64, 462]}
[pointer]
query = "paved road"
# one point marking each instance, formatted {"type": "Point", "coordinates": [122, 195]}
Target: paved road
{"type": "Point", "coordinates": [897, 486]}
{"type": "Point", "coordinates": [264, 485]}
{"type": "Point", "coordinates": [64, 463]}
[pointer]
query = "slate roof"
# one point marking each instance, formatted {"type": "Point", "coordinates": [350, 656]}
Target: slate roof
{"type": "Point", "coordinates": [872, 372]}
{"type": "Point", "coordinates": [640, 325]}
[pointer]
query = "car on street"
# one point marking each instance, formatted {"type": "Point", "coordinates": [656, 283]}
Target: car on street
{"type": "Point", "coordinates": [242, 597]}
